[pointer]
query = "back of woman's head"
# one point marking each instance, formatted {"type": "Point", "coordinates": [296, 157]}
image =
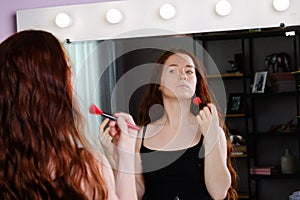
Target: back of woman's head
{"type": "Point", "coordinates": [39, 121]}
{"type": "Point", "coordinates": [34, 77]}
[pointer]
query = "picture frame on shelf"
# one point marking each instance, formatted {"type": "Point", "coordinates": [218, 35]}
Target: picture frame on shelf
{"type": "Point", "coordinates": [236, 103]}
{"type": "Point", "coordinates": [259, 83]}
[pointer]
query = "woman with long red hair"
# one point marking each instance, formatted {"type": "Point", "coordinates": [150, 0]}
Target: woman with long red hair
{"type": "Point", "coordinates": [44, 154]}
{"type": "Point", "coordinates": [184, 149]}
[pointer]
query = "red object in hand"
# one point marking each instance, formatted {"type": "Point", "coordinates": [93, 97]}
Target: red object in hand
{"type": "Point", "coordinates": [197, 101]}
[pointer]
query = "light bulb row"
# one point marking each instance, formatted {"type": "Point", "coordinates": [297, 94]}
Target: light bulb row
{"type": "Point", "coordinates": [167, 12]}
{"type": "Point", "coordinates": [114, 16]}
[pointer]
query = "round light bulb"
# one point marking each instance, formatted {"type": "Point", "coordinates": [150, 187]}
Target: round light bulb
{"type": "Point", "coordinates": [281, 5]}
{"type": "Point", "coordinates": [63, 20]}
{"type": "Point", "coordinates": [114, 16]}
{"type": "Point", "coordinates": [223, 7]}
{"type": "Point", "coordinates": [167, 11]}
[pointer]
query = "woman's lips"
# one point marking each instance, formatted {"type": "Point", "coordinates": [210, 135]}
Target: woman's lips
{"type": "Point", "coordinates": [184, 86]}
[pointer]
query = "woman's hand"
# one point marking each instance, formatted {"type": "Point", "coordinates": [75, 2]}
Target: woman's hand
{"type": "Point", "coordinates": [124, 139]}
{"type": "Point", "coordinates": [123, 136]}
{"type": "Point", "coordinates": [209, 125]}
{"type": "Point", "coordinates": [105, 140]}
{"type": "Point", "coordinates": [207, 118]}
{"type": "Point", "coordinates": [119, 144]}
{"type": "Point", "coordinates": [217, 175]}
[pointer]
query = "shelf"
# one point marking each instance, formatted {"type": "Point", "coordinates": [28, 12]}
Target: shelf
{"type": "Point", "coordinates": [226, 75]}
{"type": "Point", "coordinates": [274, 134]}
{"type": "Point", "coordinates": [283, 94]}
{"type": "Point", "coordinates": [243, 195]}
{"type": "Point", "coordinates": [296, 73]}
{"type": "Point", "coordinates": [275, 176]}
{"type": "Point", "coordinates": [236, 115]}
{"type": "Point", "coordinates": [238, 155]}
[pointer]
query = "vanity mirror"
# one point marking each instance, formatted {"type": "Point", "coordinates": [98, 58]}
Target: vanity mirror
{"type": "Point", "coordinates": [146, 24]}
{"type": "Point", "coordinates": [112, 62]}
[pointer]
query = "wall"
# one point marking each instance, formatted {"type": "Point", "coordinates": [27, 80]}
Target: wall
{"type": "Point", "coordinates": [9, 8]}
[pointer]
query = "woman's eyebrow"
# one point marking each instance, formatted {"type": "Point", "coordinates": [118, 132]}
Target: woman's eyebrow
{"type": "Point", "coordinates": [190, 66]}
{"type": "Point", "coordinates": [173, 65]}
{"type": "Point", "coordinates": [176, 65]}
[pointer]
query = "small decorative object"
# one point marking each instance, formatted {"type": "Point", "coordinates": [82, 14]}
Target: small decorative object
{"type": "Point", "coordinates": [288, 162]}
{"type": "Point", "coordinates": [236, 103]}
{"type": "Point", "coordinates": [287, 127]}
{"type": "Point", "coordinates": [278, 62]}
{"type": "Point", "coordinates": [234, 67]}
{"type": "Point", "coordinates": [259, 82]}
{"type": "Point", "coordinates": [237, 140]}
{"type": "Point", "coordinates": [295, 196]}
{"type": "Point", "coordinates": [236, 63]}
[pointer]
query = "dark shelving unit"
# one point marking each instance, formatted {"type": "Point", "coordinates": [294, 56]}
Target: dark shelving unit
{"type": "Point", "coordinates": [248, 40]}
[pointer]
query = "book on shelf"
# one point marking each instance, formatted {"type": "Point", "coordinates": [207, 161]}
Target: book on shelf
{"type": "Point", "coordinates": [281, 76]}
{"type": "Point", "coordinates": [282, 82]}
{"type": "Point", "coordinates": [264, 170]}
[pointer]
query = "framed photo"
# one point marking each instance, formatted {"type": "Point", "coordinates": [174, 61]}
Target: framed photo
{"type": "Point", "coordinates": [259, 82]}
{"type": "Point", "coordinates": [236, 103]}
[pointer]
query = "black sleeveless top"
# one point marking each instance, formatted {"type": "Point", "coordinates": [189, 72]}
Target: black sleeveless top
{"type": "Point", "coordinates": [174, 175]}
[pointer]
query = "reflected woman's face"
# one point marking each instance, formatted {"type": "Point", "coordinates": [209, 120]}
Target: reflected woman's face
{"type": "Point", "coordinates": [178, 78]}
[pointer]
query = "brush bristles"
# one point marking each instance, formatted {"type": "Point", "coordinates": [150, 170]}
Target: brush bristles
{"type": "Point", "coordinates": [95, 110]}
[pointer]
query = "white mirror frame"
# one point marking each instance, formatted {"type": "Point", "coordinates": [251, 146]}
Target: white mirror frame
{"type": "Point", "coordinates": [141, 18]}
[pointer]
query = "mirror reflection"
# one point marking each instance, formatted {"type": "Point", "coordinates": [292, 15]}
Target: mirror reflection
{"type": "Point", "coordinates": [114, 74]}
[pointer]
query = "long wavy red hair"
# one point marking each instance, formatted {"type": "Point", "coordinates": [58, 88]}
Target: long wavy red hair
{"type": "Point", "coordinates": [41, 155]}
{"type": "Point", "coordinates": [153, 96]}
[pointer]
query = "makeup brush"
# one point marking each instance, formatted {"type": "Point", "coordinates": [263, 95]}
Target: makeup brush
{"type": "Point", "coordinates": [197, 101]}
{"type": "Point", "coordinates": [95, 110]}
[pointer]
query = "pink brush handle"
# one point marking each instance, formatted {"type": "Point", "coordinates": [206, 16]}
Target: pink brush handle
{"type": "Point", "coordinates": [133, 126]}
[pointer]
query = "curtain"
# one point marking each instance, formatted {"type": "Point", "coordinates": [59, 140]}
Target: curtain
{"type": "Point", "coordinates": [94, 77]}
